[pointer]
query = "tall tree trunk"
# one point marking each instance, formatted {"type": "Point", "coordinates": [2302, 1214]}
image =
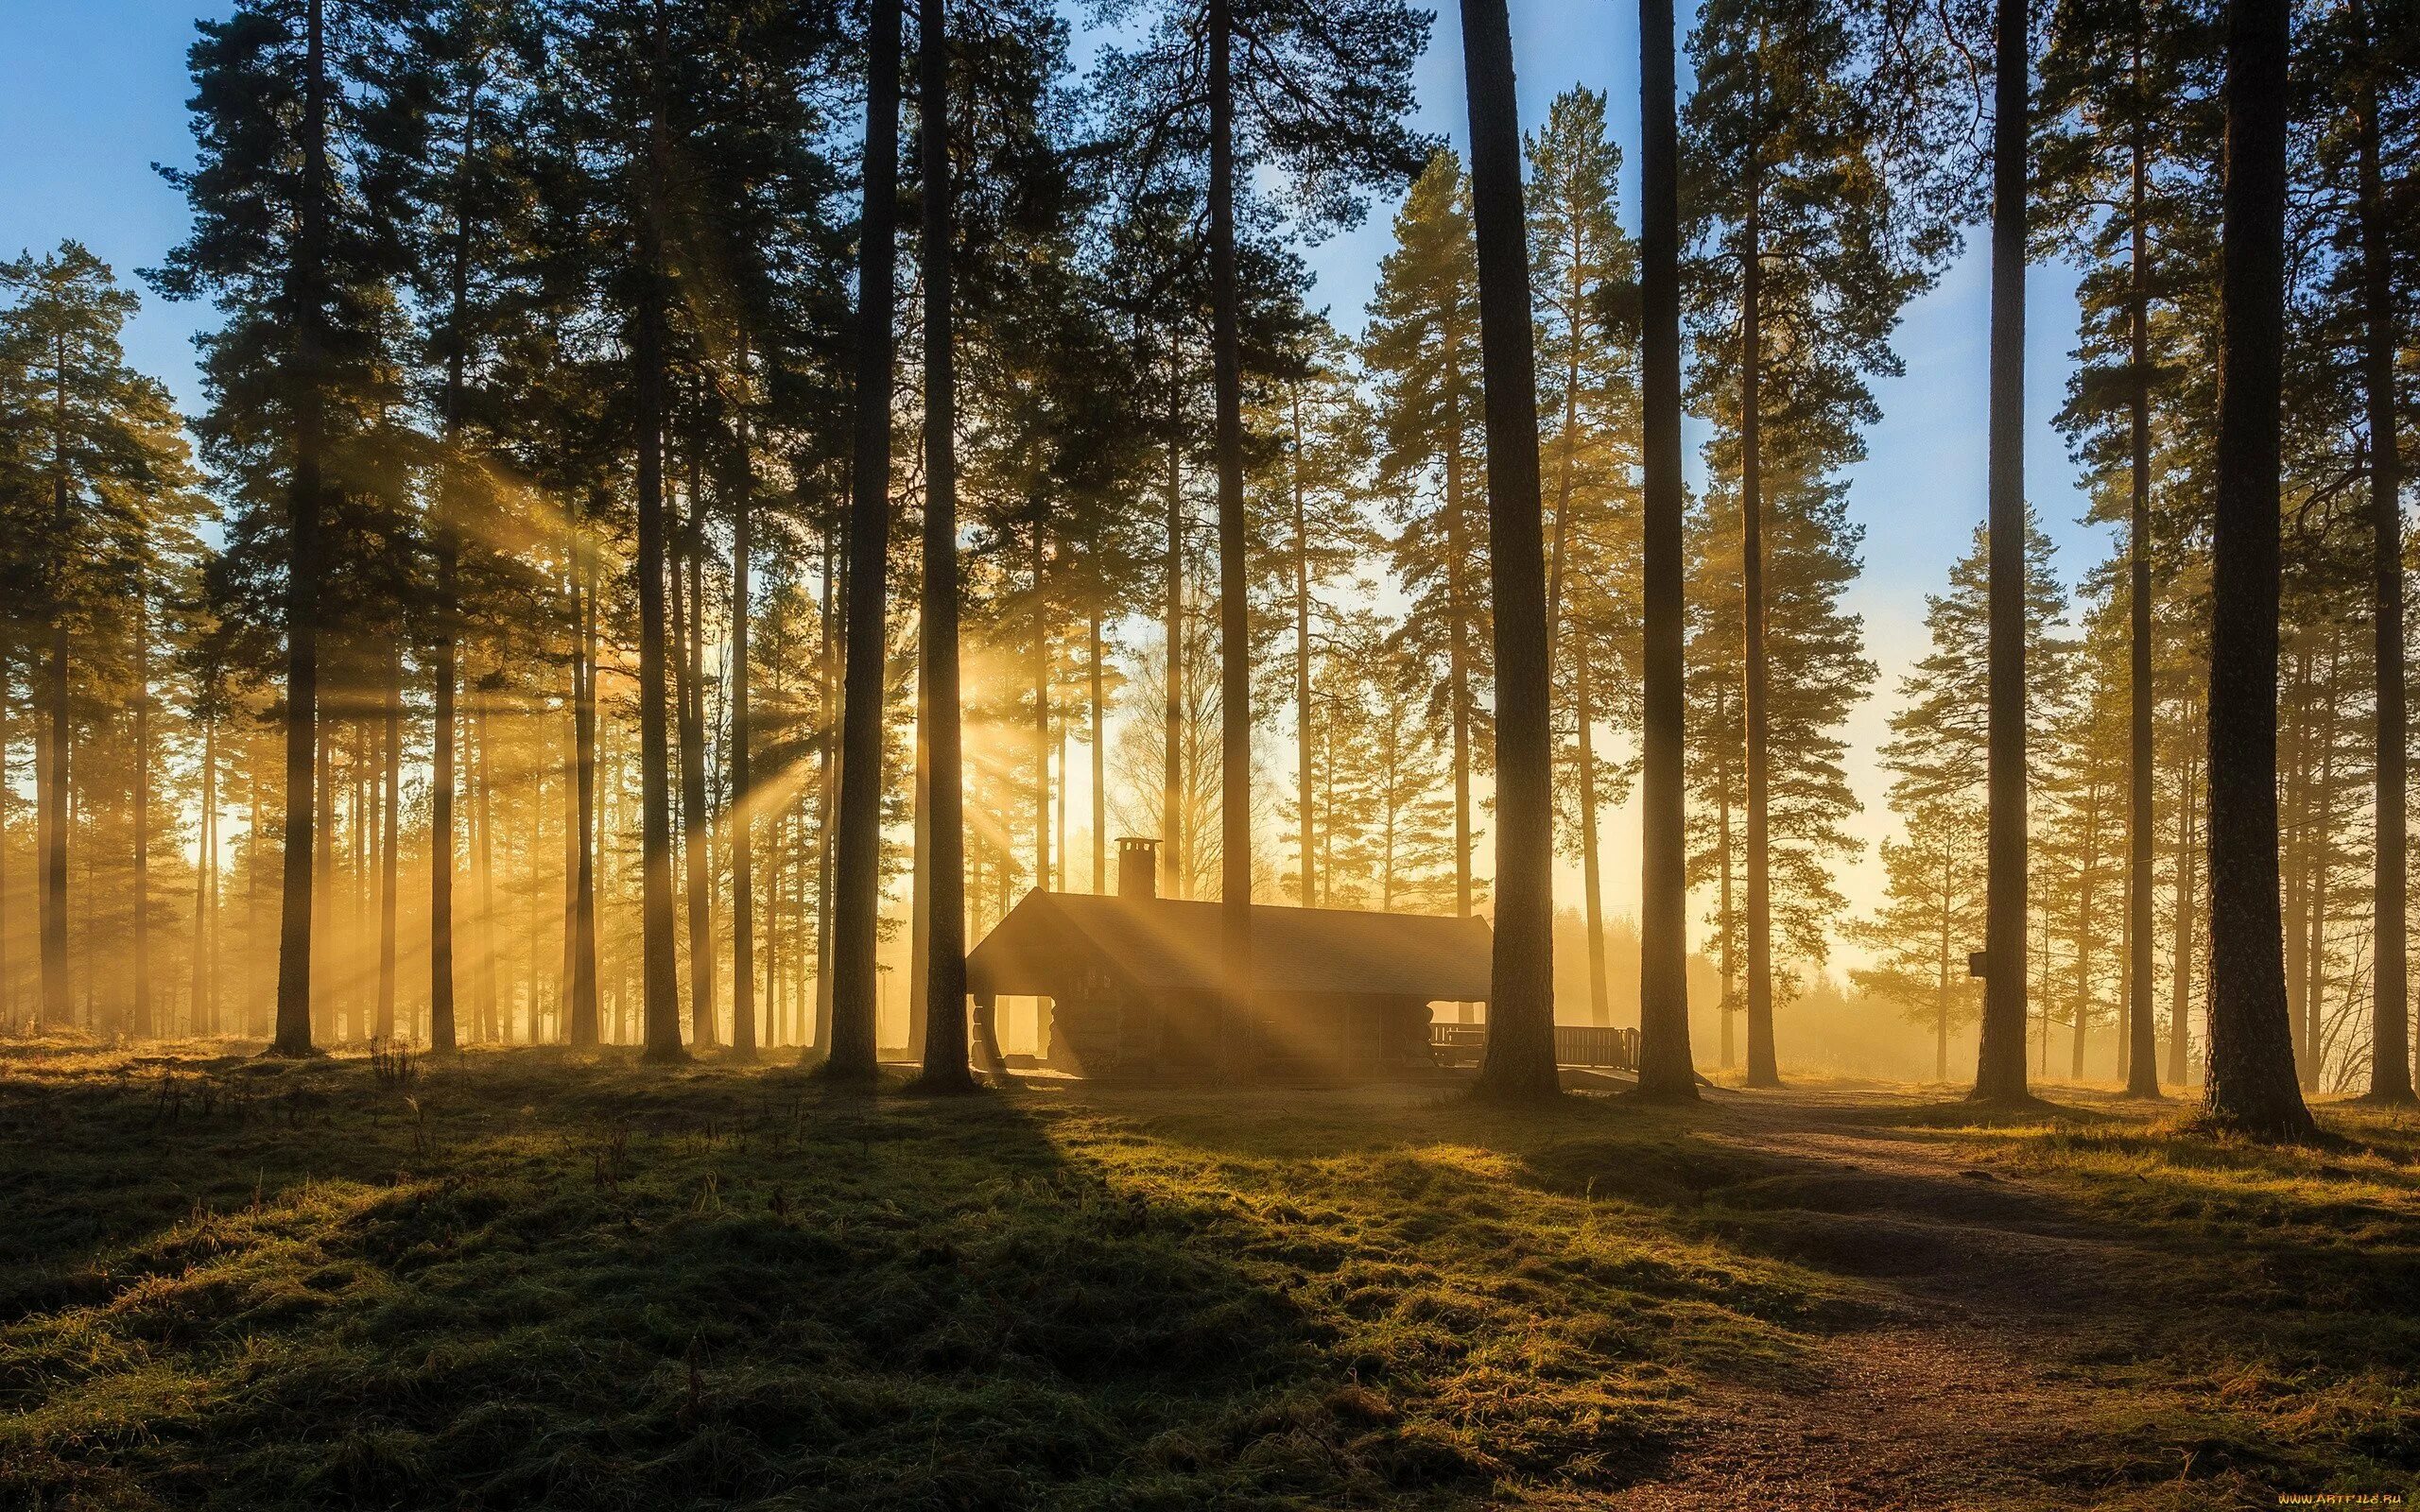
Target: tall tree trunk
{"type": "Point", "coordinates": [1583, 712]}
{"type": "Point", "coordinates": [1942, 974]}
{"type": "Point", "coordinates": [828, 740]}
{"type": "Point", "coordinates": [688, 638]}
{"type": "Point", "coordinates": [8, 981]}
{"type": "Point", "coordinates": [858, 849]}
{"type": "Point", "coordinates": [2187, 914]}
{"type": "Point", "coordinates": [2252, 1070]}
{"type": "Point", "coordinates": [2294, 843]}
{"type": "Point", "coordinates": [486, 1004]}
{"type": "Point", "coordinates": [945, 1045]}
{"type": "Point", "coordinates": [1726, 909]}
{"type": "Point", "coordinates": [2391, 1015]}
{"type": "Point", "coordinates": [441, 861]}
{"type": "Point", "coordinates": [1041, 710]}
{"type": "Point", "coordinates": [1305, 814]}
{"type": "Point", "coordinates": [2319, 860]}
{"type": "Point", "coordinates": [583, 1028]}
{"type": "Point", "coordinates": [441, 1037]}
{"type": "Point", "coordinates": [389, 812]}
{"type": "Point", "coordinates": [8, 978]}
{"type": "Point", "coordinates": [1999, 1069]}
{"type": "Point", "coordinates": [1600, 1012]}
{"type": "Point", "coordinates": [205, 879]}
{"type": "Point", "coordinates": [777, 1003]}
{"type": "Point", "coordinates": [1763, 1068]}
{"type": "Point", "coordinates": [1172, 857]}
{"type": "Point", "coordinates": [139, 1024]}
{"type": "Point", "coordinates": [739, 487]}
{"type": "Point", "coordinates": [361, 822]}
{"type": "Point", "coordinates": [303, 563]}
{"type": "Point", "coordinates": [51, 753]}
{"type": "Point", "coordinates": [1665, 1066]}
{"type": "Point", "coordinates": [1235, 631]}
{"type": "Point", "coordinates": [1520, 1063]}
{"type": "Point", "coordinates": [2142, 1064]}
{"type": "Point", "coordinates": [2085, 939]}
{"type": "Point", "coordinates": [661, 985]}
{"type": "Point", "coordinates": [1100, 750]}
{"type": "Point", "coordinates": [1457, 656]}
{"type": "Point", "coordinates": [327, 1002]}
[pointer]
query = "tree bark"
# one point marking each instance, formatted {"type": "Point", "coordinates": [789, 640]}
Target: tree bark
{"type": "Point", "coordinates": [2391, 1018]}
{"type": "Point", "coordinates": [1665, 1066]}
{"type": "Point", "coordinates": [384, 1027]}
{"type": "Point", "coordinates": [485, 1004]}
{"type": "Point", "coordinates": [688, 638]}
{"type": "Point", "coordinates": [1100, 750]}
{"type": "Point", "coordinates": [660, 981]}
{"type": "Point", "coordinates": [448, 543]}
{"type": "Point", "coordinates": [1172, 857]}
{"type": "Point", "coordinates": [1942, 957]}
{"type": "Point", "coordinates": [945, 1041]}
{"type": "Point", "coordinates": [1235, 642]}
{"type": "Point", "coordinates": [743, 821]}
{"type": "Point", "coordinates": [1520, 1064]}
{"type": "Point", "coordinates": [1458, 655]}
{"type": "Point", "coordinates": [139, 1024]}
{"type": "Point", "coordinates": [1600, 1012]}
{"type": "Point", "coordinates": [1040, 708]}
{"type": "Point", "coordinates": [2180, 984]}
{"type": "Point", "coordinates": [827, 742]}
{"type": "Point", "coordinates": [583, 1030]}
{"type": "Point", "coordinates": [1304, 813]}
{"type": "Point", "coordinates": [205, 882]}
{"type": "Point", "coordinates": [441, 1034]}
{"type": "Point", "coordinates": [2142, 1064]}
{"type": "Point", "coordinates": [1763, 1068]}
{"type": "Point", "coordinates": [1583, 712]}
{"type": "Point", "coordinates": [2252, 1069]}
{"type": "Point", "coordinates": [1999, 1071]}
{"type": "Point", "coordinates": [327, 1002]}
{"type": "Point", "coordinates": [303, 563]}
{"type": "Point", "coordinates": [858, 848]}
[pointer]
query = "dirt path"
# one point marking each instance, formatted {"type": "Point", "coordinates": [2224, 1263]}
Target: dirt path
{"type": "Point", "coordinates": [1958, 1391]}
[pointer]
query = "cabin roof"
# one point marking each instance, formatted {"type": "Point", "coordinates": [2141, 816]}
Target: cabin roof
{"type": "Point", "coordinates": [1049, 939]}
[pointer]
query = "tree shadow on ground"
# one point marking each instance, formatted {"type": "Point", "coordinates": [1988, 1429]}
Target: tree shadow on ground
{"type": "Point", "coordinates": [548, 1280]}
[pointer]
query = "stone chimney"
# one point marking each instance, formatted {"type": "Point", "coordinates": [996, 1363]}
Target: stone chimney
{"type": "Point", "coordinates": [1139, 867]}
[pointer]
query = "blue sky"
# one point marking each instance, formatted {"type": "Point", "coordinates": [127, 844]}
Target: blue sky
{"type": "Point", "coordinates": [92, 93]}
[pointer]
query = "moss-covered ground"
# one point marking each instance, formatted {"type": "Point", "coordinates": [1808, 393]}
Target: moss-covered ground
{"type": "Point", "coordinates": [526, 1279]}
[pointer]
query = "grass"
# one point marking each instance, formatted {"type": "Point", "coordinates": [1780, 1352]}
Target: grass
{"type": "Point", "coordinates": [532, 1280]}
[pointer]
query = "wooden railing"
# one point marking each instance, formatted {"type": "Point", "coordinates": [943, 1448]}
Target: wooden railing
{"type": "Point", "coordinates": [1611, 1049]}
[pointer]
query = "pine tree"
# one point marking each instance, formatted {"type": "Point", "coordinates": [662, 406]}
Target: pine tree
{"type": "Point", "coordinates": [291, 374]}
{"type": "Point", "coordinates": [2126, 117]}
{"type": "Point", "coordinates": [1805, 266]}
{"type": "Point", "coordinates": [1665, 1067]}
{"type": "Point", "coordinates": [1421, 347]}
{"type": "Point", "coordinates": [1820, 673]}
{"type": "Point", "coordinates": [2252, 1079]}
{"type": "Point", "coordinates": [1585, 270]}
{"type": "Point", "coordinates": [1323, 88]}
{"type": "Point", "coordinates": [1939, 754]}
{"type": "Point", "coordinates": [1520, 1063]}
{"type": "Point", "coordinates": [2000, 1054]}
{"type": "Point", "coordinates": [102, 442]}
{"type": "Point", "coordinates": [1931, 914]}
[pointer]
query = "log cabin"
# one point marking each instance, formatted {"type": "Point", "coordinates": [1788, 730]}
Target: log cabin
{"type": "Point", "coordinates": [1131, 981]}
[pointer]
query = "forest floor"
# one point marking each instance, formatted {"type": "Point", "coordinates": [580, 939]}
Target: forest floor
{"type": "Point", "coordinates": [527, 1278]}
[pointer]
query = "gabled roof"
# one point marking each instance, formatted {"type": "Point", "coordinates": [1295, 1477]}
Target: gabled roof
{"type": "Point", "coordinates": [1047, 942]}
